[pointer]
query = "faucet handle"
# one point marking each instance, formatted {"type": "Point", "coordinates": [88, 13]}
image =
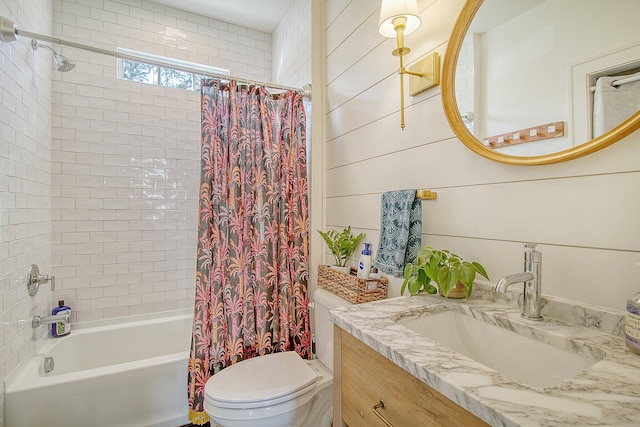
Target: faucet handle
{"type": "Point", "coordinates": [531, 255]}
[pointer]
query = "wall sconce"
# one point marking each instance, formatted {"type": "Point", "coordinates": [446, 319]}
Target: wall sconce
{"type": "Point", "coordinates": [397, 18]}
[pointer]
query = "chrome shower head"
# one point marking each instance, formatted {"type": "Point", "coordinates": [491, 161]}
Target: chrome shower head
{"type": "Point", "coordinates": [62, 62]}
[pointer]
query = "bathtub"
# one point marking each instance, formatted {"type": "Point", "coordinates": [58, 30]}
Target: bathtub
{"type": "Point", "coordinates": [116, 373]}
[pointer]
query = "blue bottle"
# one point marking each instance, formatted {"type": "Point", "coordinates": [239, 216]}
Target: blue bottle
{"type": "Point", "coordinates": [61, 329]}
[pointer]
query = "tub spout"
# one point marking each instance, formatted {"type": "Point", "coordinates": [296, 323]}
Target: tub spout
{"type": "Point", "coordinates": [532, 279]}
{"type": "Point", "coordinates": [47, 320]}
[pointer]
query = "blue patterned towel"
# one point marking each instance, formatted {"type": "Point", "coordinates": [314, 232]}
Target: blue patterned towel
{"type": "Point", "coordinates": [400, 231]}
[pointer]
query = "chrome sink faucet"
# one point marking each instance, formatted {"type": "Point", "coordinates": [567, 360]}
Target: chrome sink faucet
{"type": "Point", "coordinates": [532, 278]}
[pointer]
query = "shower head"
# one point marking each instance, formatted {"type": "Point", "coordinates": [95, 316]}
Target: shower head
{"type": "Point", "coordinates": [62, 62]}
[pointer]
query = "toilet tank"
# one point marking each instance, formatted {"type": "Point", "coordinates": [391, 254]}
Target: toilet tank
{"type": "Point", "coordinates": [325, 301]}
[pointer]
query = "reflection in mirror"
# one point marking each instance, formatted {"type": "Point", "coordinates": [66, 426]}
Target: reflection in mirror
{"type": "Point", "coordinates": [534, 77]}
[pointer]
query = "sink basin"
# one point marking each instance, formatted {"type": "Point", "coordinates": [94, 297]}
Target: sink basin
{"type": "Point", "coordinates": [521, 358]}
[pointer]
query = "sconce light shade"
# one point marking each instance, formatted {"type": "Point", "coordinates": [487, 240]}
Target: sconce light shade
{"type": "Point", "coordinates": [392, 9]}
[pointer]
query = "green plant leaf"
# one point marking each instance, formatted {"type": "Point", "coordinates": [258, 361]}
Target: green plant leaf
{"type": "Point", "coordinates": [431, 271]}
{"type": "Point", "coordinates": [468, 288]}
{"type": "Point", "coordinates": [441, 268]}
{"type": "Point", "coordinates": [408, 272]}
{"type": "Point", "coordinates": [455, 262]}
{"type": "Point", "coordinates": [425, 253]}
{"type": "Point", "coordinates": [430, 289]}
{"type": "Point", "coordinates": [414, 285]}
{"type": "Point", "coordinates": [467, 273]}
{"type": "Point", "coordinates": [423, 279]}
{"type": "Point", "coordinates": [447, 279]}
{"type": "Point", "coordinates": [342, 245]}
{"type": "Point", "coordinates": [329, 238]}
{"type": "Point", "coordinates": [438, 256]}
{"type": "Point", "coordinates": [480, 269]}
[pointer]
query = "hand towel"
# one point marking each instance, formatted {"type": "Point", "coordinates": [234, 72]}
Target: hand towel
{"type": "Point", "coordinates": [400, 231]}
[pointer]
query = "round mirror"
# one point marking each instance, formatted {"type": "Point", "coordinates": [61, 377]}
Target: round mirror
{"type": "Point", "coordinates": [533, 82]}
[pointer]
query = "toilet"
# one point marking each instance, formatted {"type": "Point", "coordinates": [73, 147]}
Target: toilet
{"type": "Point", "coordinates": [279, 389]}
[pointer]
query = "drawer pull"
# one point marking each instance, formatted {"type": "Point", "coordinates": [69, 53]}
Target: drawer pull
{"type": "Point", "coordinates": [379, 415]}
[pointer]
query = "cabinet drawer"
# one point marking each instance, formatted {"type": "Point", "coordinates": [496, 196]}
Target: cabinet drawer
{"type": "Point", "coordinates": [368, 379]}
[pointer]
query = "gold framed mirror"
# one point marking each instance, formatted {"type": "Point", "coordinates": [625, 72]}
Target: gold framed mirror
{"type": "Point", "coordinates": [578, 79]}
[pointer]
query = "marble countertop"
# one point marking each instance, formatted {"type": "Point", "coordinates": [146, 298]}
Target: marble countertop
{"type": "Point", "coordinates": [607, 393]}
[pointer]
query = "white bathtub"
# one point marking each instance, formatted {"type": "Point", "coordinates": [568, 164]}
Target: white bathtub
{"type": "Point", "coordinates": [106, 374]}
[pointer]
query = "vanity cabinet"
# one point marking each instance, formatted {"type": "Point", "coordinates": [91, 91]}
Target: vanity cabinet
{"type": "Point", "coordinates": [370, 390]}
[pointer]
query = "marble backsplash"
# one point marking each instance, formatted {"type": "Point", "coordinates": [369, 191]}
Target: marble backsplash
{"type": "Point", "coordinates": [589, 316]}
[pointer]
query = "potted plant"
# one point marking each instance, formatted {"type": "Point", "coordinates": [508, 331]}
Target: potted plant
{"type": "Point", "coordinates": [453, 277]}
{"type": "Point", "coordinates": [342, 245]}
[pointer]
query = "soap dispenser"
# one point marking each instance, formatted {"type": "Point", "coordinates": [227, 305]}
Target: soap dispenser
{"type": "Point", "coordinates": [364, 265]}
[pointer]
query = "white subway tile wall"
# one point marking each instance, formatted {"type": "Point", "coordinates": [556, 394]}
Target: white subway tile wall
{"type": "Point", "coordinates": [126, 155]}
{"type": "Point", "coordinates": [25, 183]}
{"type": "Point", "coordinates": [292, 46]}
{"type": "Point", "coordinates": [99, 176]}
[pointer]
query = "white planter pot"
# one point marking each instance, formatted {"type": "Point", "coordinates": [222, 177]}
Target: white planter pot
{"type": "Point", "coordinates": [345, 270]}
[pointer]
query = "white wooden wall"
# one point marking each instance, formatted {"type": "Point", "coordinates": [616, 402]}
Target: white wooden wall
{"type": "Point", "coordinates": [585, 214]}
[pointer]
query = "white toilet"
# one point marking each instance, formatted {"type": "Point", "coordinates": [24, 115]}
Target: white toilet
{"type": "Point", "coordinates": [279, 389]}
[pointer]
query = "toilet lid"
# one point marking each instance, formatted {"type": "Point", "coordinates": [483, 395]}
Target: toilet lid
{"type": "Point", "coordinates": [261, 378]}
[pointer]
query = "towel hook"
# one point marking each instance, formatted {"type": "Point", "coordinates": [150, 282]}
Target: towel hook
{"type": "Point", "coordinates": [426, 195]}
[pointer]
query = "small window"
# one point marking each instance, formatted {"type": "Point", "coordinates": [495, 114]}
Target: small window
{"type": "Point", "coordinates": [162, 71]}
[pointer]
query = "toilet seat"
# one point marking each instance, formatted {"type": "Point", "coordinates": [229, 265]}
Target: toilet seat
{"type": "Point", "coordinates": [261, 381]}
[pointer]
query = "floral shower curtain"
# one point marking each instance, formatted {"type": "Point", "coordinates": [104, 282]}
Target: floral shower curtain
{"type": "Point", "coordinates": [251, 280]}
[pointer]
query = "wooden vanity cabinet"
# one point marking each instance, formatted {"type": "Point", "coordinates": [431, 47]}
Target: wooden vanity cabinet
{"type": "Point", "coordinates": [364, 380]}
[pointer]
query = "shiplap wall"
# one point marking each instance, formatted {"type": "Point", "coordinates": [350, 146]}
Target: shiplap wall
{"type": "Point", "coordinates": [583, 213]}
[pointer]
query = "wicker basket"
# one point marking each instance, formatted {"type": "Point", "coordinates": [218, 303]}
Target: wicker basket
{"type": "Point", "coordinates": [350, 287]}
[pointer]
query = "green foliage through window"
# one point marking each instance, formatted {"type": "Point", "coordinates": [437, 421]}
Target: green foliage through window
{"type": "Point", "coordinates": [162, 76]}
{"type": "Point", "coordinates": [137, 71]}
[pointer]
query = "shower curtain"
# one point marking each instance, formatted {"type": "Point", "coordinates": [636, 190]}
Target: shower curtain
{"type": "Point", "coordinates": [614, 104]}
{"type": "Point", "coordinates": [251, 279]}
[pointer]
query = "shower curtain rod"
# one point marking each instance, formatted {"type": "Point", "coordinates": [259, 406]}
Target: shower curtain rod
{"type": "Point", "coordinates": [9, 32]}
{"type": "Point", "coordinates": [620, 82]}
{"type": "Point", "coordinates": [627, 80]}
